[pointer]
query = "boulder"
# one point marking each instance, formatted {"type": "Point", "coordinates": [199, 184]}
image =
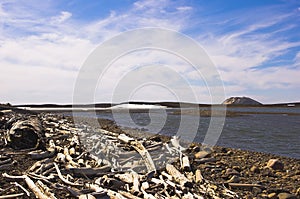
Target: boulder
{"type": "Point", "coordinates": [275, 164]}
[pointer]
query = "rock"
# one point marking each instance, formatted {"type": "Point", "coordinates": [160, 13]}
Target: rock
{"type": "Point", "coordinates": [256, 190]}
{"type": "Point", "coordinates": [205, 160]}
{"type": "Point", "coordinates": [286, 196]}
{"type": "Point", "coordinates": [254, 169]}
{"type": "Point", "coordinates": [275, 164]}
{"type": "Point", "coordinates": [230, 172]}
{"type": "Point", "coordinates": [201, 154]}
{"type": "Point", "coordinates": [272, 196]}
{"type": "Point", "coordinates": [298, 192]}
{"type": "Point", "coordinates": [237, 168]}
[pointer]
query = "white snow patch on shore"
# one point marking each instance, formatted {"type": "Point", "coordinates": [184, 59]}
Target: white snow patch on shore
{"type": "Point", "coordinates": [138, 106]}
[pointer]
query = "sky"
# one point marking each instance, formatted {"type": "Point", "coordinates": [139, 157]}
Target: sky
{"type": "Point", "coordinates": [253, 44]}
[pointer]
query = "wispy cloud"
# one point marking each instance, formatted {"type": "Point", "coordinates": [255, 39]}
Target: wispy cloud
{"type": "Point", "coordinates": [254, 50]}
{"type": "Point", "coordinates": [64, 15]}
{"type": "Point", "coordinates": [249, 57]}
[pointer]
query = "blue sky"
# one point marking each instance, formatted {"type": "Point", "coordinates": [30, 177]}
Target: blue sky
{"type": "Point", "coordinates": [255, 45]}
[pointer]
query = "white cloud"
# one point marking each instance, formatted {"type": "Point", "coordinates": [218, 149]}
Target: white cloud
{"type": "Point", "coordinates": [297, 60]}
{"type": "Point", "coordinates": [47, 50]}
{"type": "Point", "coordinates": [184, 8]}
{"type": "Point", "coordinates": [40, 49]}
{"type": "Point", "coordinates": [240, 57]}
{"type": "Point", "coordinates": [64, 15]}
{"type": "Point", "coordinates": [28, 84]}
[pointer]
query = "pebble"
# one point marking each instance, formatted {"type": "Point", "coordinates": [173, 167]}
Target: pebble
{"type": "Point", "coordinates": [201, 154]}
{"type": "Point", "coordinates": [272, 196]}
{"type": "Point", "coordinates": [254, 169]}
{"type": "Point", "coordinates": [286, 196]}
{"type": "Point", "coordinates": [275, 164]}
{"type": "Point", "coordinates": [230, 171]}
{"type": "Point", "coordinates": [205, 160]}
{"type": "Point", "coordinates": [256, 190]}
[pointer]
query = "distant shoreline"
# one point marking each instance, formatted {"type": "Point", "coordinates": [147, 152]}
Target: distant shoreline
{"type": "Point", "coordinates": [167, 104]}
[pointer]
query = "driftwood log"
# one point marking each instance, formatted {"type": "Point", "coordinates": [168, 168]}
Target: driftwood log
{"type": "Point", "coordinates": [25, 134]}
{"type": "Point", "coordinates": [138, 146]}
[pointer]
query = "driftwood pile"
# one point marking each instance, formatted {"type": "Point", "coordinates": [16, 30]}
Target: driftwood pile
{"type": "Point", "coordinates": [89, 162]}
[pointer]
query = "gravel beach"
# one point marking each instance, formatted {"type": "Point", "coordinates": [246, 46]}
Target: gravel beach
{"type": "Point", "coordinates": [54, 161]}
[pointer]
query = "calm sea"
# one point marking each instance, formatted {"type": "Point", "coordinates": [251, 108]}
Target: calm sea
{"type": "Point", "coordinates": [270, 130]}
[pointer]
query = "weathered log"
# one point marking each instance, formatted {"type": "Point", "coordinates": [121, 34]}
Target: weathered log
{"type": "Point", "coordinates": [198, 176]}
{"type": "Point", "coordinates": [45, 189]}
{"type": "Point", "coordinates": [125, 138]}
{"type": "Point", "coordinates": [9, 160]}
{"type": "Point", "coordinates": [12, 196]}
{"type": "Point", "coordinates": [138, 146]}
{"type": "Point", "coordinates": [128, 195]}
{"type": "Point", "coordinates": [186, 163]}
{"type": "Point", "coordinates": [114, 184]}
{"type": "Point", "coordinates": [136, 183]}
{"type": "Point", "coordinates": [115, 195]}
{"type": "Point", "coordinates": [69, 158]}
{"type": "Point", "coordinates": [25, 134]}
{"type": "Point", "coordinates": [86, 196]}
{"type": "Point", "coordinates": [243, 185]}
{"type": "Point", "coordinates": [29, 183]}
{"type": "Point", "coordinates": [41, 155]}
{"type": "Point", "coordinates": [63, 179]}
{"type": "Point", "coordinates": [163, 173]}
{"type": "Point", "coordinates": [90, 171]}
{"type": "Point", "coordinates": [20, 186]}
{"type": "Point", "coordinates": [60, 157]}
{"type": "Point", "coordinates": [7, 166]}
{"type": "Point", "coordinates": [148, 195]}
{"type": "Point", "coordinates": [125, 177]}
{"type": "Point", "coordinates": [179, 177]}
